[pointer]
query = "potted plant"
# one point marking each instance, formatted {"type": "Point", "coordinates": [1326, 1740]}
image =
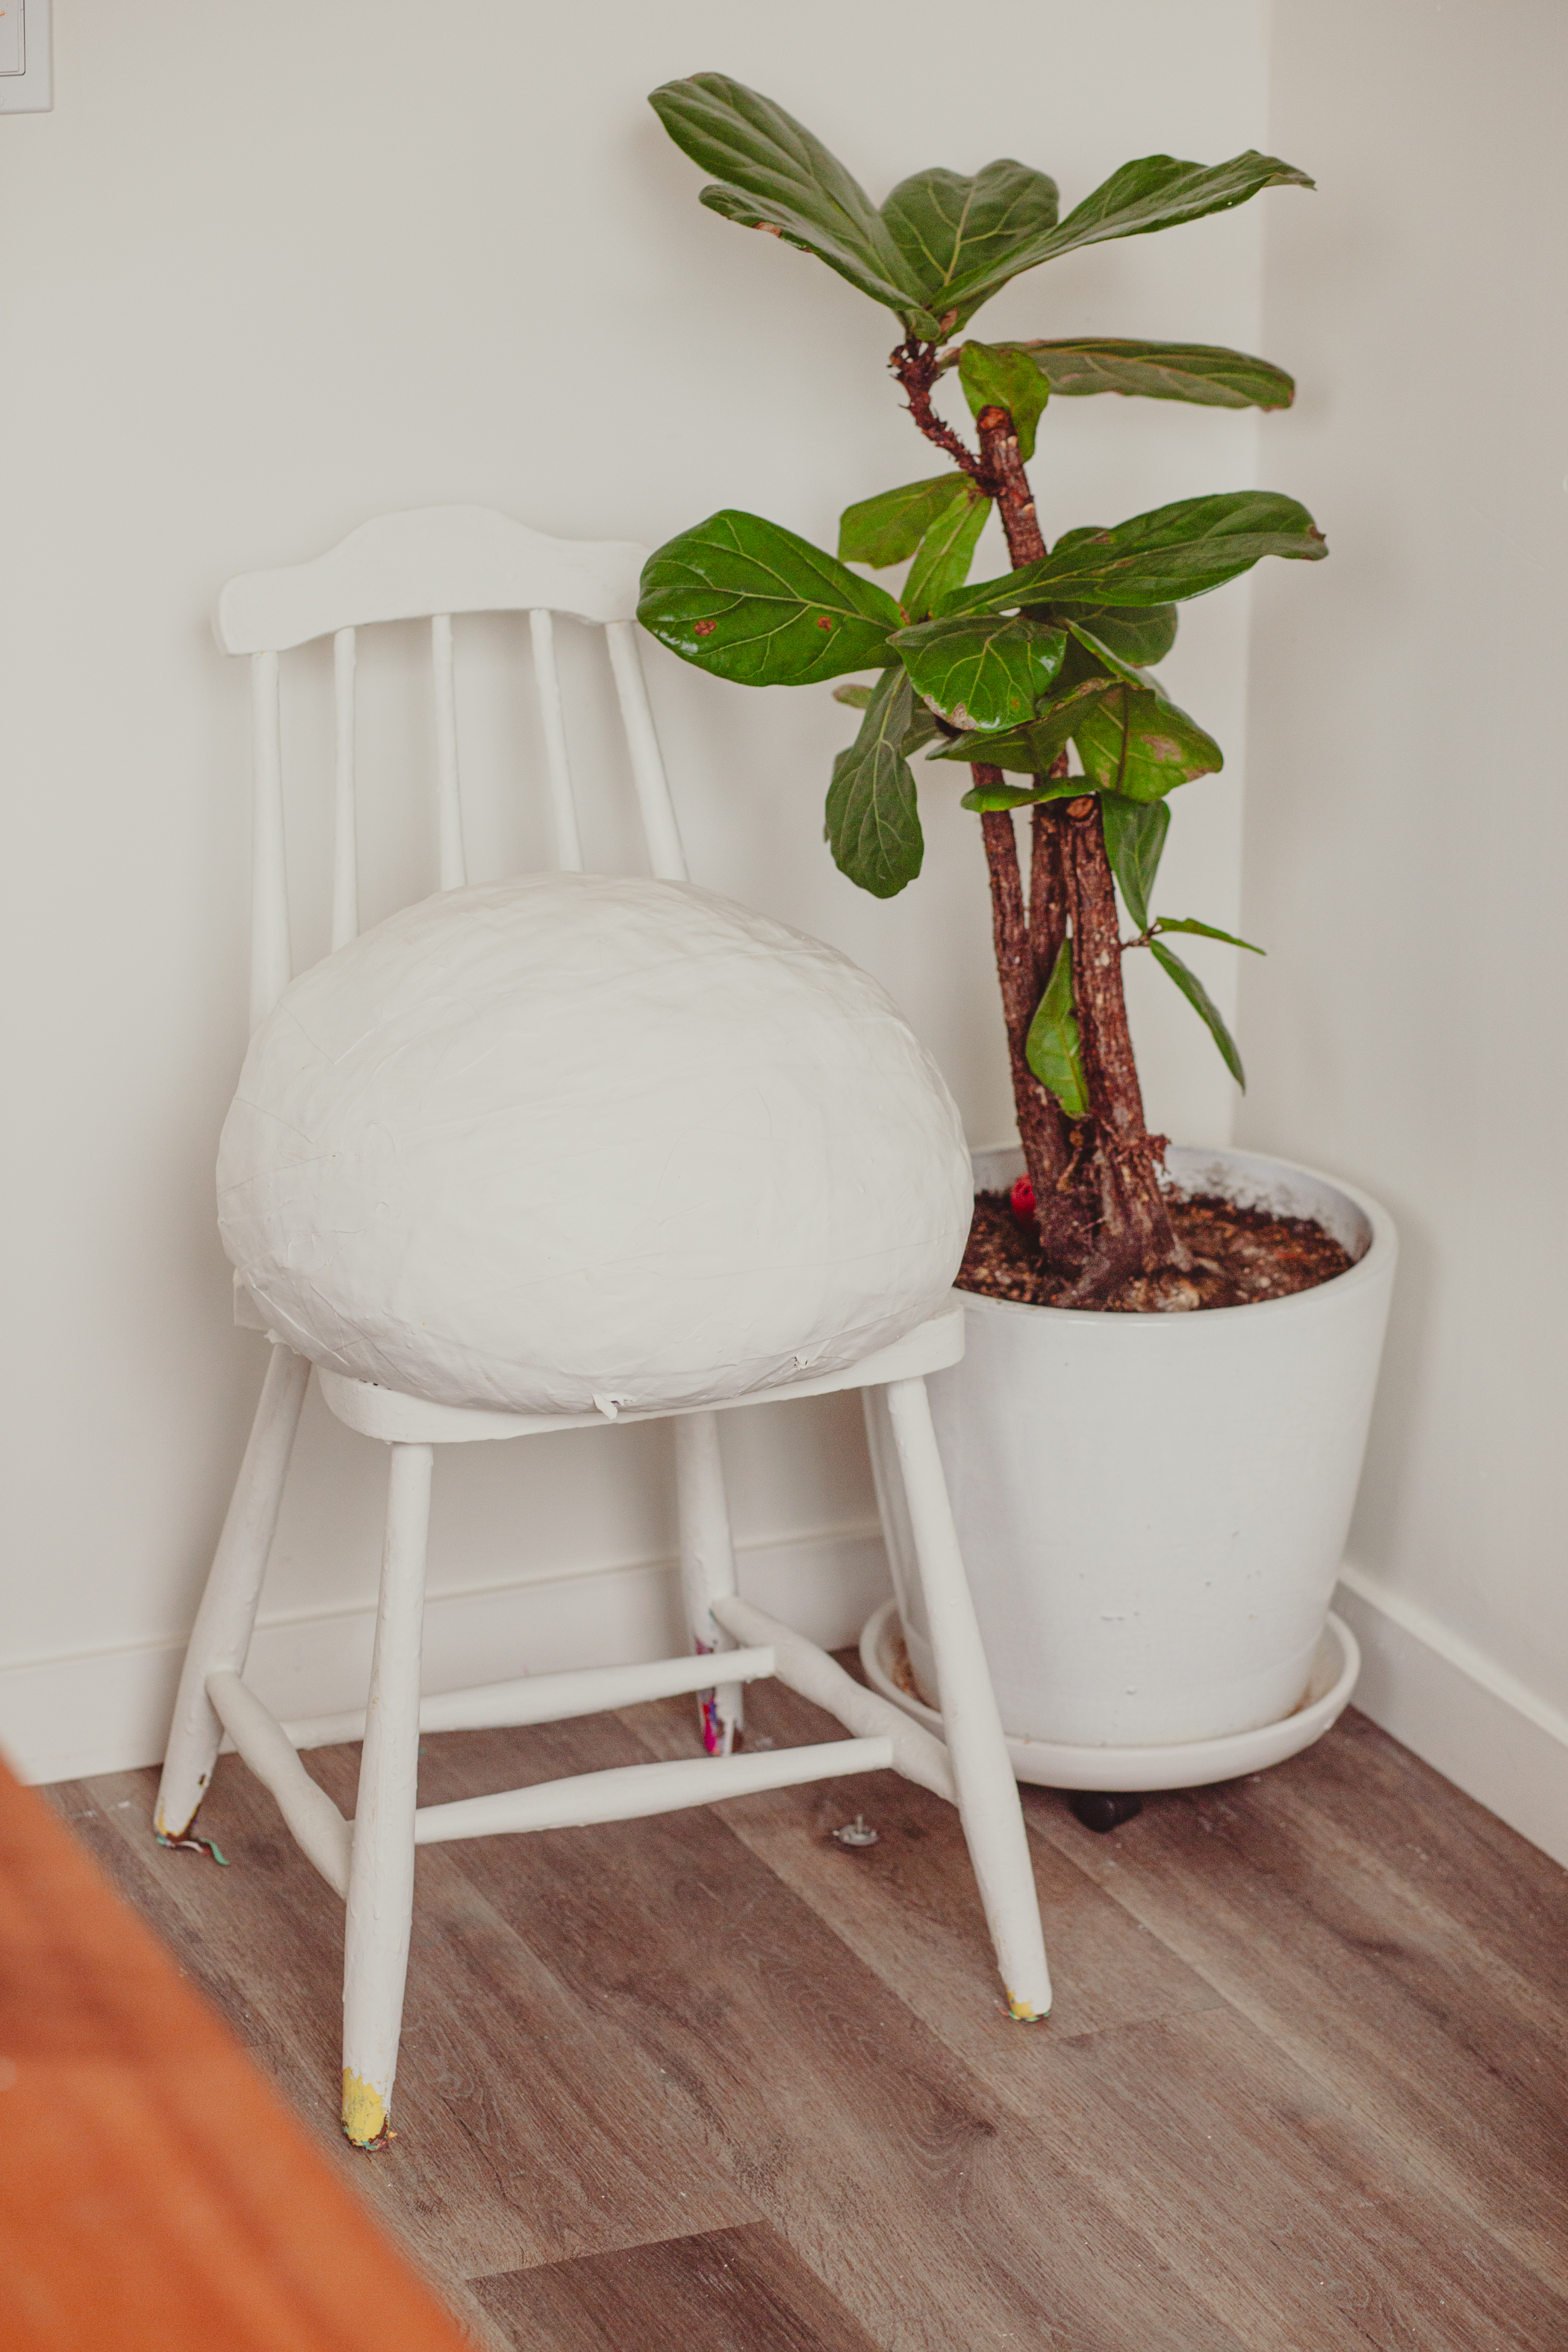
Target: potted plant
{"type": "Point", "coordinates": [1152, 1499]}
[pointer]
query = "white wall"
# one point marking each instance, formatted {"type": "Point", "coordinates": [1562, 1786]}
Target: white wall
{"type": "Point", "coordinates": [1408, 822]}
{"type": "Point", "coordinates": [266, 272]}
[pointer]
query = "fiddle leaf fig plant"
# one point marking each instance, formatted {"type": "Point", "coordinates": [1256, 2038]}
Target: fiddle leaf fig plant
{"type": "Point", "coordinates": [1009, 677]}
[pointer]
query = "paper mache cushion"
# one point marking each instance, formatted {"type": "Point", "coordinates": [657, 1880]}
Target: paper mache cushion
{"type": "Point", "coordinates": [574, 1141]}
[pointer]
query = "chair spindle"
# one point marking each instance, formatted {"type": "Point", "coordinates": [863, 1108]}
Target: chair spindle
{"type": "Point", "coordinates": [272, 964]}
{"type": "Point", "coordinates": [668, 857]}
{"type": "Point", "coordinates": [449, 806]}
{"type": "Point", "coordinates": [563, 805]}
{"type": "Point", "coordinates": [345, 843]}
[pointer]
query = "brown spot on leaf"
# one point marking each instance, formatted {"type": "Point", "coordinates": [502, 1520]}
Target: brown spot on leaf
{"type": "Point", "coordinates": [823, 622]}
{"type": "Point", "coordinates": [703, 628]}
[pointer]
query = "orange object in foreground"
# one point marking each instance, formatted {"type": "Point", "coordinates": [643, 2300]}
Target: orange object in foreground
{"type": "Point", "coordinates": [154, 2194]}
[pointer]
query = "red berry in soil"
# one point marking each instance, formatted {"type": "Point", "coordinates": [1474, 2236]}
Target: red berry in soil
{"type": "Point", "coordinates": [1023, 1198]}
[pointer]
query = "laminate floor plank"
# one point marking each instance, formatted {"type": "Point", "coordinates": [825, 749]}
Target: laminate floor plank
{"type": "Point", "coordinates": [541, 2134]}
{"type": "Point", "coordinates": [936, 2216]}
{"type": "Point", "coordinates": [730, 2290]}
{"type": "Point", "coordinates": [1304, 2086]}
{"type": "Point", "coordinates": [910, 1908]}
{"type": "Point", "coordinates": [1401, 2019]}
{"type": "Point", "coordinates": [1291, 2217]}
{"type": "Point", "coordinates": [1295, 2221]}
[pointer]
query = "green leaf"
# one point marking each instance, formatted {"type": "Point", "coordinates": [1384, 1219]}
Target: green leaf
{"type": "Point", "coordinates": [1134, 836]}
{"type": "Point", "coordinates": [889, 528]}
{"type": "Point", "coordinates": [1033, 747]}
{"type": "Point", "coordinates": [1140, 744]}
{"type": "Point", "coordinates": [1051, 1048]}
{"type": "Point", "coordinates": [924, 727]}
{"type": "Point", "coordinates": [1204, 1005]}
{"type": "Point", "coordinates": [1156, 192]}
{"type": "Point", "coordinates": [947, 227]}
{"type": "Point", "coordinates": [944, 555]}
{"type": "Point", "coordinates": [1204, 931]}
{"type": "Point", "coordinates": [749, 601]}
{"type": "Point", "coordinates": [1142, 635]}
{"type": "Point", "coordinates": [1177, 551]}
{"type": "Point", "coordinates": [773, 175]}
{"type": "Point", "coordinates": [1201, 372]}
{"type": "Point", "coordinates": [857, 696]}
{"type": "Point", "coordinates": [998, 375]}
{"type": "Point", "coordinates": [984, 797]}
{"type": "Point", "coordinates": [873, 821]}
{"type": "Point", "coordinates": [982, 673]}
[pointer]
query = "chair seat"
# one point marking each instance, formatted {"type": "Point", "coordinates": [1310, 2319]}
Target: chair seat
{"type": "Point", "coordinates": [401, 1420]}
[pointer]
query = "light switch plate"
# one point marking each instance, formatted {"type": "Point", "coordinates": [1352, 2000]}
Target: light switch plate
{"type": "Point", "coordinates": [26, 77]}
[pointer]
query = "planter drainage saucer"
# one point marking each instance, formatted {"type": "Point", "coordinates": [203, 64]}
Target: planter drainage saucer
{"type": "Point", "coordinates": [1186, 1764]}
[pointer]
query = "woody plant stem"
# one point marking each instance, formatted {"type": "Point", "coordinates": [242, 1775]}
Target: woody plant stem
{"type": "Point", "coordinates": [1099, 1207]}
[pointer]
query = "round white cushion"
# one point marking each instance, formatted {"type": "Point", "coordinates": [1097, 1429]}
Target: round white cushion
{"type": "Point", "coordinates": [575, 1141]}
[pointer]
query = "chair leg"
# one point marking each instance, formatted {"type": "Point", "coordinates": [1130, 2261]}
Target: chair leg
{"type": "Point", "coordinates": [381, 1864]}
{"type": "Point", "coordinates": [987, 1792]}
{"type": "Point", "coordinates": [220, 1637]}
{"type": "Point", "coordinates": [707, 1565]}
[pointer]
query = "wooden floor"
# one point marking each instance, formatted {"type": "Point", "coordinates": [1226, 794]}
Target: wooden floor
{"type": "Point", "coordinates": [716, 2083]}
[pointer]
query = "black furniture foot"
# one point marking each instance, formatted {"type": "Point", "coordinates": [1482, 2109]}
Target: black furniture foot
{"type": "Point", "coordinates": [1102, 1812]}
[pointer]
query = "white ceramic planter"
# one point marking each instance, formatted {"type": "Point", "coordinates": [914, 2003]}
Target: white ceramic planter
{"type": "Point", "coordinates": [1153, 1508]}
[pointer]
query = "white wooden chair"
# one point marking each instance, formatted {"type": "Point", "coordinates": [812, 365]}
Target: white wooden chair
{"type": "Point", "coordinates": [433, 564]}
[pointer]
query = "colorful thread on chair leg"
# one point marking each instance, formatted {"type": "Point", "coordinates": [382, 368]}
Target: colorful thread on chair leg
{"type": "Point", "coordinates": [713, 1722]}
{"type": "Point", "coordinates": [1025, 2014]}
{"type": "Point", "coordinates": [189, 1844]}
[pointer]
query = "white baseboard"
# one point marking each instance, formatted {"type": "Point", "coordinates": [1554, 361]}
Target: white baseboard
{"type": "Point", "coordinates": [107, 1710]}
{"type": "Point", "coordinates": [1463, 1713]}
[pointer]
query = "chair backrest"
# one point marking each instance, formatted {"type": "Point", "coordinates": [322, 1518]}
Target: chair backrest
{"type": "Point", "coordinates": [431, 565]}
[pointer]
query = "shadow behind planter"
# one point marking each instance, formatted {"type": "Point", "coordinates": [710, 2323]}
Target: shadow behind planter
{"type": "Point", "coordinates": [1153, 1508]}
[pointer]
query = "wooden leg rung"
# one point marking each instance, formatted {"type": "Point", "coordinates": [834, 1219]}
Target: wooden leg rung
{"type": "Point", "coordinates": [917, 1753]}
{"type": "Point", "coordinates": [313, 1821]}
{"type": "Point", "coordinates": [633, 1791]}
{"type": "Point", "coordinates": [545, 1698]}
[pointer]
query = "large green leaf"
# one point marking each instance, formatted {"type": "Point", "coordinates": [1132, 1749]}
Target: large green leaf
{"type": "Point", "coordinates": [982, 673]}
{"type": "Point", "coordinates": [1051, 1048]}
{"type": "Point", "coordinates": [924, 728]}
{"type": "Point", "coordinates": [1201, 372]}
{"type": "Point", "coordinates": [889, 528]}
{"type": "Point", "coordinates": [943, 243]}
{"type": "Point", "coordinates": [1204, 931]}
{"type": "Point", "coordinates": [995, 376]}
{"type": "Point", "coordinates": [1204, 1005]}
{"type": "Point", "coordinates": [773, 175]}
{"type": "Point", "coordinates": [1173, 551]}
{"type": "Point", "coordinates": [985, 797]}
{"type": "Point", "coordinates": [1141, 635]}
{"type": "Point", "coordinates": [947, 227]}
{"type": "Point", "coordinates": [1142, 745]}
{"type": "Point", "coordinates": [748, 599]}
{"type": "Point", "coordinates": [944, 555]}
{"type": "Point", "coordinates": [1156, 192]}
{"type": "Point", "coordinates": [1134, 836]}
{"type": "Point", "coordinates": [1032, 747]}
{"type": "Point", "coordinates": [873, 822]}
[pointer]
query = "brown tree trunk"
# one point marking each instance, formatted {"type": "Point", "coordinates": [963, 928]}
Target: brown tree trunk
{"type": "Point", "coordinates": [1099, 1205]}
{"type": "Point", "coordinates": [1134, 1233]}
{"type": "Point", "coordinates": [1070, 883]}
{"type": "Point", "coordinates": [1043, 1131]}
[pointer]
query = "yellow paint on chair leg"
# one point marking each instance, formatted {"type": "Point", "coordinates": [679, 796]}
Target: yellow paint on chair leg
{"type": "Point", "coordinates": [365, 2111]}
{"type": "Point", "coordinates": [1022, 2012]}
